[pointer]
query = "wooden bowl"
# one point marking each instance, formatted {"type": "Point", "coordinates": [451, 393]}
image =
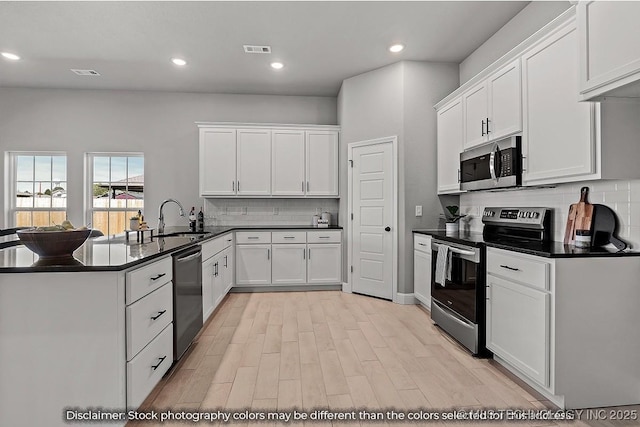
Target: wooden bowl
{"type": "Point", "coordinates": [53, 244]}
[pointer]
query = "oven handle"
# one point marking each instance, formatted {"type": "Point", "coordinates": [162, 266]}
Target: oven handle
{"type": "Point", "coordinates": [457, 251]}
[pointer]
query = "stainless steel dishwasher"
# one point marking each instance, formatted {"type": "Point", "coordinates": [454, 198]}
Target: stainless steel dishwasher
{"type": "Point", "coordinates": [187, 298]}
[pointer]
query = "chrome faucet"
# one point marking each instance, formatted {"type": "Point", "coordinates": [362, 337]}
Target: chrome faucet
{"type": "Point", "coordinates": [161, 214]}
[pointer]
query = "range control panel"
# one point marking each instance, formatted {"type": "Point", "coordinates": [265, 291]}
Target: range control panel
{"type": "Point", "coordinates": [530, 216]}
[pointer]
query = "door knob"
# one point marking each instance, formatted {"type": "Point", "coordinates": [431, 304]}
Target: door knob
{"type": "Point", "coordinates": [387, 229]}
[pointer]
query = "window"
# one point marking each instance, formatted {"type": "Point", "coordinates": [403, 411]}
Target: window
{"type": "Point", "coordinates": [38, 189]}
{"type": "Point", "coordinates": [116, 190]}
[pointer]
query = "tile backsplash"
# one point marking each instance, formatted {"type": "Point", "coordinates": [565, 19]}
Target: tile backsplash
{"type": "Point", "coordinates": [268, 211]}
{"type": "Point", "coordinates": [621, 196]}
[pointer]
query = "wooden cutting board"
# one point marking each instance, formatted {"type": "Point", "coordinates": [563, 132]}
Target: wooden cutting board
{"type": "Point", "coordinates": [580, 216]}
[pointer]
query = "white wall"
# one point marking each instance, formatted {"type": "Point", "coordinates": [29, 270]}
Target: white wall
{"type": "Point", "coordinates": [530, 19]}
{"type": "Point", "coordinates": [398, 100]}
{"type": "Point", "coordinates": [159, 124]}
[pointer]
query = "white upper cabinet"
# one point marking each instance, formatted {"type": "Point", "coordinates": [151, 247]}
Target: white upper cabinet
{"type": "Point", "coordinates": [475, 115]}
{"type": "Point", "coordinates": [559, 139]}
{"type": "Point", "coordinates": [450, 136]}
{"type": "Point", "coordinates": [609, 35]}
{"type": "Point", "coordinates": [493, 108]}
{"type": "Point", "coordinates": [288, 163]}
{"type": "Point", "coordinates": [217, 162]}
{"type": "Point", "coordinates": [505, 101]}
{"type": "Point", "coordinates": [254, 162]}
{"type": "Point", "coordinates": [322, 163]}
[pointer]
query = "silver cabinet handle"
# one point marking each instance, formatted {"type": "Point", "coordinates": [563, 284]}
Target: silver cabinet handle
{"type": "Point", "coordinates": [233, 186]}
{"type": "Point", "coordinates": [422, 244]}
{"type": "Point", "coordinates": [483, 133]}
{"type": "Point", "coordinates": [160, 313]}
{"type": "Point", "coordinates": [309, 253]}
{"type": "Point", "coordinates": [268, 253]}
{"type": "Point", "coordinates": [509, 268]}
{"type": "Point", "coordinates": [238, 185]}
{"type": "Point", "coordinates": [307, 186]}
{"type": "Point", "coordinates": [303, 186]}
{"type": "Point", "coordinates": [158, 276]}
{"type": "Point", "coordinates": [253, 237]}
{"type": "Point", "coordinates": [488, 131]}
{"type": "Point", "coordinates": [289, 237]}
{"type": "Point", "coordinates": [324, 237]}
{"type": "Point", "coordinates": [304, 254]}
{"type": "Point", "coordinates": [154, 367]}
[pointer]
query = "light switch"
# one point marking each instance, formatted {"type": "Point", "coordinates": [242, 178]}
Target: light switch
{"type": "Point", "coordinates": [418, 210]}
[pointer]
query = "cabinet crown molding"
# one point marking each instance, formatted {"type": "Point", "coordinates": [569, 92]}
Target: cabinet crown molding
{"type": "Point", "coordinates": [243, 125]}
{"type": "Point", "coordinates": [511, 55]}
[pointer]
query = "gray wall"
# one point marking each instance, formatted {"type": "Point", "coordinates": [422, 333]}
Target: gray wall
{"type": "Point", "coordinates": [159, 124]}
{"type": "Point", "coordinates": [533, 17]}
{"type": "Point", "coordinates": [398, 100]}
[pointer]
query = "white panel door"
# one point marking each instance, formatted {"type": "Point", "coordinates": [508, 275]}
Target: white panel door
{"type": "Point", "coordinates": [518, 327]}
{"type": "Point", "coordinates": [254, 162]}
{"type": "Point", "coordinates": [322, 163]}
{"type": "Point", "coordinates": [505, 101]}
{"type": "Point", "coordinates": [253, 265]}
{"type": "Point", "coordinates": [475, 103]}
{"type": "Point", "coordinates": [422, 277]}
{"type": "Point", "coordinates": [289, 264]}
{"type": "Point", "coordinates": [372, 205]}
{"type": "Point", "coordinates": [287, 163]}
{"type": "Point", "coordinates": [217, 162]}
{"type": "Point", "coordinates": [324, 263]}
{"type": "Point", "coordinates": [450, 139]}
{"type": "Point", "coordinates": [558, 138]}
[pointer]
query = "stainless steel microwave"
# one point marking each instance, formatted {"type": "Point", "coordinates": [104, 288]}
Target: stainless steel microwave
{"type": "Point", "coordinates": [494, 165]}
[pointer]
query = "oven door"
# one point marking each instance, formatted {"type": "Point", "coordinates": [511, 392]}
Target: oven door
{"type": "Point", "coordinates": [460, 290]}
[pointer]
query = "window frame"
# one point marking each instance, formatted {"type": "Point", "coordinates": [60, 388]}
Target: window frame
{"type": "Point", "coordinates": [12, 182]}
{"type": "Point", "coordinates": [89, 209]}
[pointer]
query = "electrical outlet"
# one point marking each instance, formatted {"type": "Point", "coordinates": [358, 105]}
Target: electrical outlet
{"type": "Point", "coordinates": [418, 210]}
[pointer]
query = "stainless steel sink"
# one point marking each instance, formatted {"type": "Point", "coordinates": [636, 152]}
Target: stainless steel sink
{"type": "Point", "coordinates": [189, 234]}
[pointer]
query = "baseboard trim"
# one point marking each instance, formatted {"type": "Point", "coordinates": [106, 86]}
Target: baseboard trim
{"type": "Point", "coordinates": [346, 287]}
{"type": "Point", "coordinates": [405, 299]}
{"type": "Point", "coordinates": [290, 288]}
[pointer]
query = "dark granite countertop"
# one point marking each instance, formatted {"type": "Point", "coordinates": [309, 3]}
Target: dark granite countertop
{"type": "Point", "coordinates": [548, 250]}
{"type": "Point", "coordinates": [114, 254]}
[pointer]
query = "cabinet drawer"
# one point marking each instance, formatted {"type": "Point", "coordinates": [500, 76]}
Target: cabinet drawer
{"type": "Point", "coordinates": [212, 247]}
{"type": "Point", "coordinates": [244, 237]}
{"type": "Point", "coordinates": [422, 243]}
{"type": "Point", "coordinates": [146, 369]}
{"type": "Point", "coordinates": [141, 281]}
{"type": "Point", "coordinates": [147, 317]}
{"type": "Point", "coordinates": [324, 237]}
{"type": "Point", "coordinates": [524, 270]}
{"type": "Point", "coordinates": [289, 237]}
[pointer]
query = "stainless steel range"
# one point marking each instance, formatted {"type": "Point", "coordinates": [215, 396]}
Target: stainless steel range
{"type": "Point", "coordinates": [459, 266]}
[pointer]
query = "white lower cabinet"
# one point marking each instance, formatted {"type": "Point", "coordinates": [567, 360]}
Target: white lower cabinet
{"type": "Point", "coordinates": [289, 264]}
{"type": "Point", "coordinates": [253, 264]}
{"type": "Point", "coordinates": [324, 263]}
{"type": "Point", "coordinates": [422, 269]}
{"type": "Point", "coordinates": [217, 272]}
{"type": "Point", "coordinates": [288, 258]}
{"type": "Point", "coordinates": [518, 327]}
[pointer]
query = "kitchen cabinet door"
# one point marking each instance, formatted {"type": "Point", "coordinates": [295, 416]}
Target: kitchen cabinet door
{"type": "Point", "coordinates": [254, 162]}
{"type": "Point", "coordinates": [228, 269]}
{"type": "Point", "coordinates": [324, 263]}
{"type": "Point", "coordinates": [450, 139]}
{"type": "Point", "coordinates": [289, 264]}
{"type": "Point", "coordinates": [287, 163]}
{"type": "Point", "coordinates": [208, 278]}
{"type": "Point", "coordinates": [609, 49]}
{"type": "Point", "coordinates": [217, 162]}
{"type": "Point", "coordinates": [505, 102]}
{"type": "Point", "coordinates": [518, 327]}
{"type": "Point", "coordinates": [559, 142]}
{"type": "Point", "coordinates": [322, 163]}
{"type": "Point", "coordinates": [422, 277]}
{"type": "Point", "coordinates": [253, 265]}
{"type": "Point", "coordinates": [476, 113]}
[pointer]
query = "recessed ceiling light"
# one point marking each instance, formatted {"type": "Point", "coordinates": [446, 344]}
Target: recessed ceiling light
{"type": "Point", "coordinates": [396, 48]}
{"type": "Point", "coordinates": [277, 65]}
{"type": "Point", "coordinates": [179, 61]}
{"type": "Point", "coordinates": [11, 56]}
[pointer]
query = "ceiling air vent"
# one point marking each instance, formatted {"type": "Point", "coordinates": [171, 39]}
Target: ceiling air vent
{"type": "Point", "coordinates": [86, 72]}
{"type": "Point", "coordinates": [256, 49]}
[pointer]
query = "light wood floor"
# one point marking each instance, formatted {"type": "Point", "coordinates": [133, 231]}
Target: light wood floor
{"type": "Point", "coordinates": [337, 351]}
